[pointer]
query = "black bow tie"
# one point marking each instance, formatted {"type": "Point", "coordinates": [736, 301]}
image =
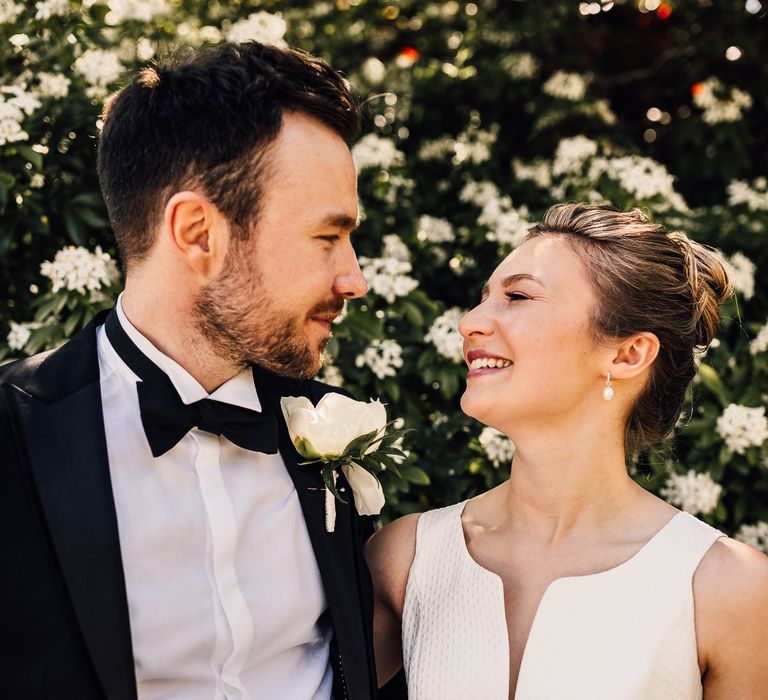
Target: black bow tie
{"type": "Point", "coordinates": [167, 419]}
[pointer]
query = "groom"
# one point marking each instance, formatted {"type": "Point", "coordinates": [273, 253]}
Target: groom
{"type": "Point", "coordinates": [159, 539]}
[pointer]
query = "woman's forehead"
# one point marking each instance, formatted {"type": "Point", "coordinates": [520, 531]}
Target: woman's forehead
{"type": "Point", "coordinates": [547, 258]}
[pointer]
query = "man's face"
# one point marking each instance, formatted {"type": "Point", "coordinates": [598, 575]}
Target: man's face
{"type": "Point", "coordinates": [275, 299]}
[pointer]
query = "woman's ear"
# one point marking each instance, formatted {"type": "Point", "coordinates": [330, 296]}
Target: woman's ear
{"type": "Point", "coordinates": [635, 355]}
{"type": "Point", "coordinates": [197, 231]}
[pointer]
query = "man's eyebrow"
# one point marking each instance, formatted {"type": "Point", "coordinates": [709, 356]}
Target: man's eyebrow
{"type": "Point", "coordinates": [511, 279]}
{"type": "Point", "coordinates": [343, 221]}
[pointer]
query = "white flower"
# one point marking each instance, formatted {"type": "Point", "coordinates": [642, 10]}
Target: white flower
{"type": "Point", "coordinates": [571, 153]}
{"type": "Point", "coordinates": [366, 489]}
{"type": "Point", "coordinates": [19, 334]}
{"type": "Point", "coordinates": [756, 197]}
{"type": "Point", "coordinates": [327, 429]}
{"type": "Point", "coordinates": [331, 375]}
{"type": "Point", "coordinates": [100, 69]}
{"type": "Point", "coordinates": [55, 85]}
{"type": "Point", "coordinates": [394, 247]}
{"type": "Point", "coordinates": [11, 131]}
{"type": "Point", "coordinates": [144, 49]}
{"type": "Point", "coordinates": [37, 181]}
{"type": "Point", "coordinates": [139, 10]}
{"type": "Point", "coordinates": [511, 227]}
{"type": "Point", "coordinates": [260, 26]}
{"type": "Point", "coordinates": [507, 225]}
{"type": "Point", "coordinates": [741, 273]}
{"type": "Point", "coordinates": [373, 151]}
{"type": "Point", "coordinates": [520, 66]}
{"type": "Point", "coordinates": [721, 109]}
{"type": "Point", "coordinates": [78, 269]}
{"type": "Point", "coordinates": [374, 71]}
{"type": "Point", "coordinates": [51, 8]}
{"type": "Point", "coordinates": [692, 492]}
{"type": "Point", "coordinates": [539, 171]}
{"type": "Point", "coordinates": [641, 177]}
{"type": "Point", "coordinates": [434, 230]}
{"type": "Point", "coordinates": [471, 145]}
{"type": "Point", "coordinates": [9, 11]}
{"type": "Point", "coordinates": [388, 277]}
{"type": "Point", "coordinates": [483, 194]}
{"type": "Point", "coordinates": [436, 148]}
{"type": "Point", "coordinates": [742, 427]}
{"type": "Point", "coordinates": [474, 145]}
{"type": "Point", "coordinates": [760, 342]}
{"type": "Point", "coordinates": [566, 86]}
{"type": "Point", "coordinates": [383, 357]}
{"type": "Point", "coordinates": [755, 535]}
{"type": "Point", "coordinates": [499, 448]}
{"type": "Point", "coordinates": [21, 100]}
{"type": "Point", "coordinates": [444, 335]}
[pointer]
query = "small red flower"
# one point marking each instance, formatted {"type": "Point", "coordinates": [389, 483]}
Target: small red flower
{"type": "Point", "coordinates": [410, 54]}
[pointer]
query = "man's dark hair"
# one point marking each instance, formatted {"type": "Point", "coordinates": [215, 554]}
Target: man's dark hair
{"type": "Point", "coordinates": [205, 121]}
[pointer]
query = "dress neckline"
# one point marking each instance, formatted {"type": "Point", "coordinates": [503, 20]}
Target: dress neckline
{"type": "Point", "coordinates": [627, 562]}
{"type": "Point", "coordinates": [644, 549]}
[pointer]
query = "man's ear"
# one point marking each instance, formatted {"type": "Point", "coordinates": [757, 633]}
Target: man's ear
{"type": "Point", "coordinates": [634, 355]}
{"type": "Point", "coordinates": [197, 231]}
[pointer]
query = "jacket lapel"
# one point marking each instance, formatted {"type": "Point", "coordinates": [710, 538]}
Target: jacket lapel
{"type": "Point", "coordinates": [60, 417]}
{"type": "Point", "coordinates": [336, 553]}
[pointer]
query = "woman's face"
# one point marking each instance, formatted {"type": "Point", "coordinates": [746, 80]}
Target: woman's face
{"type": "Point", "coordinates": [534, 321]}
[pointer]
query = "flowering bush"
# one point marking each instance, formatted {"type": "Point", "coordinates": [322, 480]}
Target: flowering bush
{"type": "Point", "coordinates": [478, 116]}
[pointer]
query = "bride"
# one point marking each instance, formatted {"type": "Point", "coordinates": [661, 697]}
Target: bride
{"type": "Point", "coordinates": [569, 581]}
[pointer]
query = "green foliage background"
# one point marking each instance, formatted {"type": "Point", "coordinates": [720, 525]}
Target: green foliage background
{"type": "Point", "coordinates": [449, 72]}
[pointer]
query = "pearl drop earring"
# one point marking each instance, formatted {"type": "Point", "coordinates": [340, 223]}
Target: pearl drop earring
{"type": "Point", "coordinates": [608, 389]}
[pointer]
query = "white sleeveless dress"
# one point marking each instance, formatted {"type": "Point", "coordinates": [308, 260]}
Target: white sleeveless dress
{"type": "Point", "coordinates": [622, 634]}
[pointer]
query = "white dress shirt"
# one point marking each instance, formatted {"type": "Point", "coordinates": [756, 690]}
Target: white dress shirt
{"type": "Point", "coordinates": [224, 593]}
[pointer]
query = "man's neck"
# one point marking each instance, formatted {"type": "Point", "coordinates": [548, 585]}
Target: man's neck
{"type": "Point", "coordinates": [171, 329]}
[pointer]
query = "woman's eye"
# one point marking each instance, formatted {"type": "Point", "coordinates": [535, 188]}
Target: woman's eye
{"type": "Point", "coordinates": [516, 296]}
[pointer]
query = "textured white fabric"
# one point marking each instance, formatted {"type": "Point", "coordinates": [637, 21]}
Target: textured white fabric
{"type": "Point", "coordinates": [622, 634]}
{"type": "Point", "coordinates": [224, 593]}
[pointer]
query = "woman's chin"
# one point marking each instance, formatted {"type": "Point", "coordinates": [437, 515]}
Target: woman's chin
{"type": "Point", "coordinates": [471, 406]}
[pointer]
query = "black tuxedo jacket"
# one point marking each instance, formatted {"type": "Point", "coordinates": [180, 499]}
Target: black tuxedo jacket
{"type": "Point", "coordinates": [63, 606]}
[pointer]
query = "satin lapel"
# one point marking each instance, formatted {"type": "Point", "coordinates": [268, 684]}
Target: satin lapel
{"type": "Point", "coordinates": [67, 452]}
{"type": "Point", "coordinates": [335, 552]}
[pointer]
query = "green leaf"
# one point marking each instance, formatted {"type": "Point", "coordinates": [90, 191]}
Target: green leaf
{"type": "Point", "coordinates": [32, 156]}
{"type": "Point", "coordinates": [360, 444]}
{"type": "Point", "coordinates": [412, 313]}
{"type": "Point", "coordinates": [711, 380]}
{"type": "Point", "coordinates": [416, 475]}
{"type": "Point", "coordinates": [72, 322]}
{"type": "Point", "coordinates": [328, 474]}
{"type": "Point", "coordinates": [40, 337]}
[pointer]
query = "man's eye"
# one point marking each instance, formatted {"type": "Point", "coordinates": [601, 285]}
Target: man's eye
{"type": "Point", "coordinates": [330, 239]}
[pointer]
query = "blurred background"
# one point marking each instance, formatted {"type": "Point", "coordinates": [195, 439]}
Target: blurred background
{"type": "Point", "coordinates": [477, 116]}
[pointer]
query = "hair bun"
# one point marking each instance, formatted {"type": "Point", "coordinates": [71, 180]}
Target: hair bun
{"type": "Point", "coordinates": [707, 274]}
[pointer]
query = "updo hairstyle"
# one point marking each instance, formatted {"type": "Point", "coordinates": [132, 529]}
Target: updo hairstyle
{"type": "Point", "coordinates": [646, 279]}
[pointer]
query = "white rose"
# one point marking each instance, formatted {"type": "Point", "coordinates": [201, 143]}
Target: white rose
{"type": "Point", "coordinates": [325, 430]}
{"type": "Point", "coordinates": [369, 496]}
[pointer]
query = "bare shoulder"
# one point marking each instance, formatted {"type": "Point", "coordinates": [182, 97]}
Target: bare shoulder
{"type": "Point", "coordinates": [389, 553]}
{"type": "Point", "coordinates": [731, 593]}
{"type": "Point", "coordinates": [732, 574]}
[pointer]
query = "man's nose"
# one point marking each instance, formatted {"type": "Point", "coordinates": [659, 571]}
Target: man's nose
{"type": "Point", "coordinates": [349, 282]}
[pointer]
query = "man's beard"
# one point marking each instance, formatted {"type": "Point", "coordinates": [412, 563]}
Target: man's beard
{"type": "Point", "coordinates": [224, 315]}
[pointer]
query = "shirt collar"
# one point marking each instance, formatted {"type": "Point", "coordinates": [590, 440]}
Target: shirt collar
{"type": "Point", "coordinates": [240, 390]}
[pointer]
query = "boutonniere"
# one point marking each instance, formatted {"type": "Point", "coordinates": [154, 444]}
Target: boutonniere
{"type": "Point", "coordinates": [347, 435]}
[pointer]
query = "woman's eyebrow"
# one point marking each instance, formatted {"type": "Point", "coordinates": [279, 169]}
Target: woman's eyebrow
{"type": "Point", "coordinates": [511, 279]}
